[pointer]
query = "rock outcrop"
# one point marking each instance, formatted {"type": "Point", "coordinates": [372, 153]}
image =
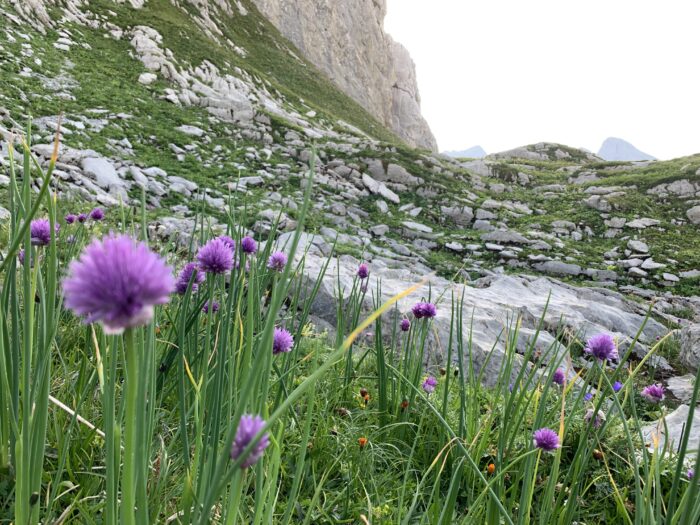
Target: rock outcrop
{"type": "Point", "coordinates": [346, 40]}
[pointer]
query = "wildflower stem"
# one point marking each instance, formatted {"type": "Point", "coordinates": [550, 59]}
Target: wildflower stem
{"type": "Point", "coordinates": [132, 361]}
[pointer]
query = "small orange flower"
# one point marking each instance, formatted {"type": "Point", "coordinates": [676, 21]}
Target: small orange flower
{"type": "Point", "coordinates": [362, 442]}
{"type": "Point", "coordinates": [491, 468]}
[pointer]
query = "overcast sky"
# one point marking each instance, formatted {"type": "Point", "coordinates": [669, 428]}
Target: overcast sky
{"type": "Point", "coordinates": [505, 73]}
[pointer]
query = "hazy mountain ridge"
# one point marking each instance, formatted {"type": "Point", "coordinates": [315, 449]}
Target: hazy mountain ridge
{"type": "Point", "coordinates": [475, 152]}
{"type": "Point", "coordinates": [618, 149]}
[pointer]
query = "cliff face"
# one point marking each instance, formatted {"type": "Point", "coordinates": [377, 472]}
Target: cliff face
{"type": "Point", "coordinates": [346, 40]}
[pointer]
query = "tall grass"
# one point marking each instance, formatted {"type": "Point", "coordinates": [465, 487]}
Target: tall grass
{"type": "Point", "coordinates": [137, 428]}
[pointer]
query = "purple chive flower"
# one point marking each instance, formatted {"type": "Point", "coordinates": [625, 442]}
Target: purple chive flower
{"type": "Point", "coordinates": [20, 256]}
{"type": "Point", "coordinates": [690, 474]}
{"type": "Point", "coordinates": [277, 261]}
{"type": "Point", "coordinates": [249, 427]}
{"type": "Point", "coordinates": [426, 310]}
{"type": "Point", "coordinates": [70, 218]}
{"type": "Point", "coordinates": [617, 386]}
{"type": "Point", "coordinates": [429, 384]}
{"type": "Point", "coordinates": [546, 439]}
{"type": "Point", "coordinates": [210, 305]}
{"type": "Point", "coordinates": [82, 217]}
{"type": "Point", "coordinates": [588, 396]}
{"type": "Point", "coordinates": [654, 393]}
{"type": "Point", "coordinates": [117, 281]}
{"type": "Point", "coordinates": [282, 341]}
{"type": "Point", "coordinates": [558, 376]}
{"type": "Point", "coordinates": [186, 275]}
{"type": "Point", "coordinates": [405, 325]}
{"type": "Point", "coordinates": [215, 257]}
{"type": "Point", "coordinates": [97, 214]}
{"type": "Point", "coordinates": [248, 245]}
{"type": "Point", "coordinates": [228, 241]}
{"type": "Point", "coordinates": [363, 271]}
{"type": "Point", "coordinates": [599, 418]}
{"type": "Point", "coordinates": [40, 231]}
{"type": "Point", "coordinates": [602, 347]}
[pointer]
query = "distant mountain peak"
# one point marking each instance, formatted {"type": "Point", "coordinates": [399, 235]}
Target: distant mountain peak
{"type": "Point", "coordinates": [475, 152]}
{"type": "Point", "coordinates": [614, 148]}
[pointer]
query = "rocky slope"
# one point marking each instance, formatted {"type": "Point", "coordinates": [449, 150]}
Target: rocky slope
{"type": "Point", "coordinates": [210, 110]}
{"type": "Point", "coordinates": [347, 41]}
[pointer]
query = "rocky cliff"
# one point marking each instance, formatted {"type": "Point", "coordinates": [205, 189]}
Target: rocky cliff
{"type": "Point", "coordinates": [347, 41]}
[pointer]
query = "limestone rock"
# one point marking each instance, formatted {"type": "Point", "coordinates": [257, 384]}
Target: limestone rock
{"type": "Point", "coordinates": [690, 346]}
{"type": "Point", "coordinates": [693, 214]}
{"type": "Point", "coordinates": [492, 302]}
{"type": "Point", "coordinates": [558, 268]}
{"type": "Point", "coordinates": [348, 43]}
{"type": "Point", "coordinates": [671, 429]}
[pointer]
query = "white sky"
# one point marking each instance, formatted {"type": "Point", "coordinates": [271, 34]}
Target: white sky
{"type": "Point", "coordinates": [505, 73]}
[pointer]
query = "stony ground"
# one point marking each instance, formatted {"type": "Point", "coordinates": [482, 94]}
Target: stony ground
{"type": "Point", "coordinates": [204, 106]}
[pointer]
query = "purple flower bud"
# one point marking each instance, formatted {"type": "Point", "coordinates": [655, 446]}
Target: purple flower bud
{"type": "Point", "coordinates": [617, 386]}
{"type": "Point", "coordinates": [248, 245]}
{"type": "Point", "coordinates": [363, 271]}
{"type": "Point", "coordinates": [186, 275]}
{"type": "Point", "coordinates": [599, 418]}
{"type": "Point", "coordinates": [210, 305]}
{"type": "Point", "coordinates": [277, 261]}
{"type": "Point", "coordinates": [282, 341]}
{"type": "Point", "coordinates": [429, 384]}
{"type": "Point", "coordinates": [70, 218]}
{"type": "Point", "coordinates": [558, 377]}
{"type": "Point", "coordinates": [82, 217]}
{"type": "Point", "coordinates": [602, 347]}
{"type": "Point", "coordinates": [40, 232]}
{"type": "Point", "coordinates": [588, 396]}
{"type": "Point", "coordinates": [426, 310]}
{"type": "Point", "coordinates": [654, 393]}
{"type": "Point", "coordinates": [405, 325]}
{"type": "Point", "coordinates": [117, 281]}
{"type": "Point", "coordinates": [546, 439]}
{"type": "Point", "coordinates": [248, 428]}
{"type": "Point", "coordinates": [690, 474]}
{"type": "Point", "coordinates": [215, 257]}
{"type": "Point", "coordinates": [97, 214]}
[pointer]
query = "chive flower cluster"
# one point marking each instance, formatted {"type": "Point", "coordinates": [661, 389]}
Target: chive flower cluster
{"type": "Point", "coordinates": [117, 281]}
{"type": "Point", "coordinates": [249, 427]}
{"type": "Point", "coordinates": [424, 310]}
{"type": "Point", "coordinates": [429, 384]}
{"type": "Point", "coordinates": [282, 341]}
{"type": "Point", "coordinates": [546, 439]}
{"type": "Point", "coordinates": [40, 232]}
{"type": "Point", "coordinates": [602, 347]}
{"type": "Point", "coordinates": [654, 393]}
{"type": "Point", "coordinates": [189, 272]}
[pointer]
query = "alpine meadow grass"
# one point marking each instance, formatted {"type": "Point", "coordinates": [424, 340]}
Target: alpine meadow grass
{"type": "Point", "coordinates": [145, 382]}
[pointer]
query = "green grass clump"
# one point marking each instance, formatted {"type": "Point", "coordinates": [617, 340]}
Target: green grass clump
{"type": "Point", "coordinates": [137, 427]}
